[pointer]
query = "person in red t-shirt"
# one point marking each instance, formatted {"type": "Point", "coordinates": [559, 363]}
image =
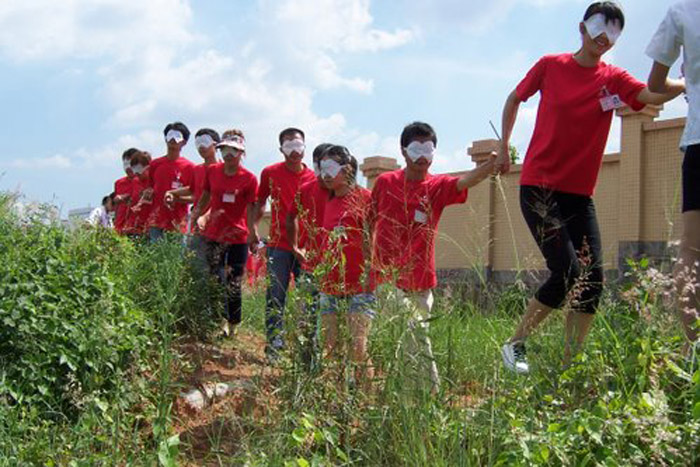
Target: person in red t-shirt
{"type": "Point", "coordinates": [167, 173]}
{"type": "Point", "coordinates": [280, 183]}
{"type": "Point", "coordinates": [347, 284]}
{"type": "Point", "coordinates": [304, 225]}
{"type": "Point", "coordinates": [406, 209]}
{"type": "Point", "coordinates": [122, 192]}
{"type": "Point", "coordinates": [139, 208]}
{"type": "Point", "coordinates": [578, 93]}
{"type": "Point", "coordinates": [229, 192]}
{"type": "Point", "coordinates": [205, 140]}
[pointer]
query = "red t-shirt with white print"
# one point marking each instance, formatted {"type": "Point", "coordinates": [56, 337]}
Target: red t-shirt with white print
{"type": "Point", "coordinates": [407, 213]}
{"type": "Point", "coordinates": [572, 127]}
{"type": "Point", "coordinates": [230, 197]}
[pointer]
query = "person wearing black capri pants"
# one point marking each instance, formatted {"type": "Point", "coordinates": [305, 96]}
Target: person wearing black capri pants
{"type": "Point", "coordinates": [578, 96]}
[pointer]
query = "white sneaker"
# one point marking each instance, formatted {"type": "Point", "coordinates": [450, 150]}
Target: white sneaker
{"type": "Point", "coordinates": [514, 357]}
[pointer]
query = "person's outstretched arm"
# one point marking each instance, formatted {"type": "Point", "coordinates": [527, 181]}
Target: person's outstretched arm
{"type": "Point", "coordinates": [510, 114]}
{"type": "Point", "coordinates": [477, 175]}
{"type": "Point", "coordinates": [663, 90]}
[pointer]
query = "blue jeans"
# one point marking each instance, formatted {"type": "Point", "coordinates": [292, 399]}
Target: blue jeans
{"type": "Point", "coordinates": [364, 303]}
{"type": "Point", "coordinates": [309, 325]}
{"type": "Point", "coordinates": [199, 248]}
{"type": "Point", "coordinates": [155, 234]}
{"type": "Point", "coordinates": [280, 266]}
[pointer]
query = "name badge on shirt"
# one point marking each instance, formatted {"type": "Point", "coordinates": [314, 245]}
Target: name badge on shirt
{"type": "Point", "coordinates": [420, 217]}
{"type": "Point", "coordinates": [176, 184]}
{"type": "Point", "coordinates": [229, 197]}
{"type": "Point", "coordinates": [611, 102]}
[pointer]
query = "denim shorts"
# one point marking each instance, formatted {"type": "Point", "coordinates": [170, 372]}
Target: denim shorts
{"type": "Point", "coordinates": [359, 303]}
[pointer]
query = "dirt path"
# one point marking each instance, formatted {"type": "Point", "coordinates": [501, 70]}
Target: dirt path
{"type": "Point", "coordinates": [238, 366]}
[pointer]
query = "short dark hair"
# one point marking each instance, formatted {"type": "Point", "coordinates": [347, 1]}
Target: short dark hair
{"type": "Point", "coordinates": [320, 151]}
{"type": "Point", "coordinates": [142, 158]}
{"type": "Point", "coordinates": [178, 126]}
{"type": "Point", "coordinates": [417, 130]}
{"type": "Point", "coordinates": [342, 156]}
{"type": "Point", "coordinates": [208, 131]}
{"type": "Point", "coordinates": [289, 132]}
{"type": "Point", "coordinates": [128, 153]}
{"type": "Point", "coordinates": [109, 197]}
{"type": "Point", "coordinates": [611, 10]}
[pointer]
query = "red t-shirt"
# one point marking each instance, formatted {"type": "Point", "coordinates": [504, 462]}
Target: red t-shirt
{"type": "Point", "coordinates": [342, 253]}
{"type": "Point", "coordinates": [280, 184]}
{"type": "Point", "coordinates": [136, 221]}
{"type": "Point", "coordinates": [309, 207]}
{"type": "Point", "coordinates": [230, 196]}
{"type": "Point", "coordinates": [122, 187]}
{"type": "Point", "coordinates": [406, 215]}
{"type": "Point", "coordinates": [199, 175]}
{"type": "Point", "coordinates": [571, 131]}
{"type": "Point", "coordinates": [166, 175]}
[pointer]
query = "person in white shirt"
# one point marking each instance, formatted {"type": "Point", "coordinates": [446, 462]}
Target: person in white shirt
{"type": "Point", "coordinates": [680, 30]}
{"type": "Point", "coordinates": [101, 215]}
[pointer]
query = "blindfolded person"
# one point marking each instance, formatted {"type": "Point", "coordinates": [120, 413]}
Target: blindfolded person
{"type": "Point", "coordinates": [578, 96]}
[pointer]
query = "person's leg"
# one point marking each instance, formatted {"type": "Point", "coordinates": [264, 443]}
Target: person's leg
{"type": "Point", "coordinates": [214, 257]}
{"type": "Point", "coordinates": [197, 246]}
{"type": "Point", "coordinates": [329, 323]}
{"type": "Point", "coordinates": [687, 270]}
{"type": "Point", "coordinates": [279, 266]}
{"type": "Point", "coordinates": [155, 234]}
{"type": "Point", "coordinates": [235, 257]}
{"type": "Point", "coordinates": [542, 212]}
{"type": "Point", "coordinates": [582, 225]}
{"type": "Point", "coordinates": [547, 224]}
{"type": "Point", "coordinates": [309, 295]}
{"type": "Point", "coordinates": [535, 313]}
{"type": "Point", "coordinates": [359, 322]}
{"type": "Point", "coordinates": [418, 348]}
{"type": "Point", "coordinates": [687, 274]}
{"type": "Point", "coordinates": [578, 325]}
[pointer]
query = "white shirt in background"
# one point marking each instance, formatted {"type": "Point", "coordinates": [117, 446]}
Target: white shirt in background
{"type": "Point", "coordinates": [99, 216]}
{"type": "Point", "coordinates": [681, 28]}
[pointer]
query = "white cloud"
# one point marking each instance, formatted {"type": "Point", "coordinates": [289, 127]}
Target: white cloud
{"type": "Point", "coordinates": [57, 161]}
{"type": "Point", "coordinates": [155, 67]}
{"type": "Point", "coordinates": [335, 25]}
{"type": "Point", "coordinates": [51, 30]}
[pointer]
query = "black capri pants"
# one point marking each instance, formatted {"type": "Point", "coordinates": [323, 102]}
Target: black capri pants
{"type": "Point", "coordinates": [565, 227]}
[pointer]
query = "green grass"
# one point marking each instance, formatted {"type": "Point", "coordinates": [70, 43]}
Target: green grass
{"type": "Point", "coordinates": [628, 399]}
{"type": "Point", "coordinates": [87, 327]}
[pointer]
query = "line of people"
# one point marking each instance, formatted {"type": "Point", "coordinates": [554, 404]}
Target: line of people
{"type": "Point", "coordinates": [339, 240]}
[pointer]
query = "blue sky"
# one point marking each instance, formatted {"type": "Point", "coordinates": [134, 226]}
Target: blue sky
{"type": "Point", "coordinates": [82, 80]}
